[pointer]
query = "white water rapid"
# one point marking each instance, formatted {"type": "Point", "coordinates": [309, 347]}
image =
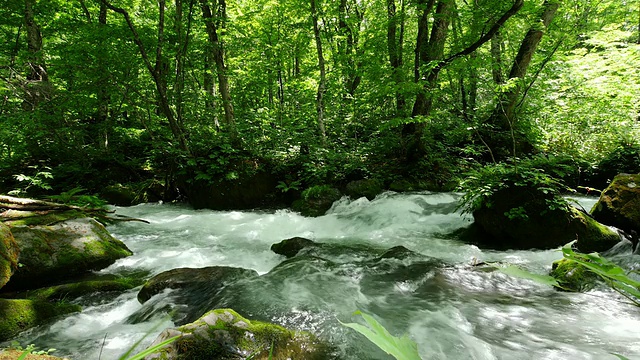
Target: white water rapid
{"type": "Point", "coordinates": [451, 310]}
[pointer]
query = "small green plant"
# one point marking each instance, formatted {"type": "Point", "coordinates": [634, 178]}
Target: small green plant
{"type": "Point", "coordinates": [402, 348]}
{"type": "Point", "coordinates": [291, 185]}
{"type": "Point", "coordinates": [37, 180]}
{"type": "Point", "coordinates": [28, 350]}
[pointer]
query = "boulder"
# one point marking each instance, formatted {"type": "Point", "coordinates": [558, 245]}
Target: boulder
{"type": "Point", "coordinates": [57, 252]}
{"type": "Point", "coordinates": [19, 315]}
{"type": "Point", "coordinates": [316, 200]}
{"type": "Point", "coordinates": [619, 204]}
{"type": "Point", "coordinates": [573, 276]}
{"type": "Point", "coordinates": [9, 253]}
{"type": "Point", "coordinates": [527, 218]}
{"type": "Point", "coordinates": [368, 188]}
{"type": "Point", "coordinates": [224, 334]}
{"type": "Point", "coordinates": [290, 247]}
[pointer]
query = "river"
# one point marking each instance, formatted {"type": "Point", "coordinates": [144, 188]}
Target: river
{"type": "Point", "coordinates": [452, 310]}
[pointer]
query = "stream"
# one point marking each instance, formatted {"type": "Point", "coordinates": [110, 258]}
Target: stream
{"type": "Point", "coordinates": [452, 310]}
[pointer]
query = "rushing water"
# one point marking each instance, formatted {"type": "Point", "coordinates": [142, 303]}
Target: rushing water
{"type": "Point", "coordinates": [452, 310]}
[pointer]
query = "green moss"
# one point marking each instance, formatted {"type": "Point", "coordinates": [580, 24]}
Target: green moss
{"type": "Point", "coordinates": [19, 315]}
{"type": "Point", "coordinates": [9, 253]}
{"type": "Point", "coordinates": [573, 276]}
{"type": "Point", "coordinates": [78, 289]}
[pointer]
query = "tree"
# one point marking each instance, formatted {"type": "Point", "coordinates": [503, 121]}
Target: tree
{"type": "Point", "coordinates": [503, 117]}
{"type": "Point", "coordinates": [156, 71]}
{"type": "Point", "coordinates": [322, 85]}
{"type": "Point", "coordinates": [213, 24]}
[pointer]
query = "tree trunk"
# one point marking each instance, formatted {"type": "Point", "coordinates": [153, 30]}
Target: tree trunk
{"type": "Point", "coordinates": [36, 89]}
{"type": "Point", "coordinates": [394, 48]}
{"type": "Point", "coordinates": [217, 50]}
{"type": "Point", "coordinates": [497, 44]}
{"type": "Point", "coordinates": [322, 85]}
{"type": "Point", "coordinates": [37, 69]}
{"type": "Point", "coordinates": [503, 115]}
{"type": "Point", "coordinates": [210, 89]}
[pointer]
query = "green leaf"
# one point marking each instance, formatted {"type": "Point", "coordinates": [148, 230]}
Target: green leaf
{"type": "Point", "coordinates": [153, 349]}
{"type": "Point", "coordinates": [515, 271]}
{"type": "Point", "coordinates": [400, 348]}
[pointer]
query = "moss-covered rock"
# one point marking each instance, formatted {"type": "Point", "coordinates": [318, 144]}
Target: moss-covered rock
{"type": "Point", "coordinates": [316, 200]}
{"type": "Point", "coordinates": [527, 218]}
{"type": "Point", "coordinates": [9, 253]}
{"type": "Point", "coordinates": [224, 334]}
{"type": "Point", "coordinates": [573, 276]}
{"type": "Point", "coordinates": [52, 253]}
{"type": "Point", "coordinates": [290, 247]}
{"type": "Point", "coordinates": [619, 204]}
{"type": "Point", "coordinates": [19, 315]}
{"type": "Point", "coordinates": [14, 218]}
{"type": "Point", "coordinates": [369, 188]}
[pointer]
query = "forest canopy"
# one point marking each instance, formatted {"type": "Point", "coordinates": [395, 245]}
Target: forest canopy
{"type": "Point", "coordinates": [102, 92]}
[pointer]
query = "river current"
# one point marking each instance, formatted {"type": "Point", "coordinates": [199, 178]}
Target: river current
{"type": "Point", "coordinates": [452, 310]}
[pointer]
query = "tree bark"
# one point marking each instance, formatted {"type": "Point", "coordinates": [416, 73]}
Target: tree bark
{"type": "Point", "coordinates": [395, 48]}
{"type": "Point", "coordinates": [217, 51]}
{"type": "Point", "coordinates": [37, 68]}
{"type": "Point", "coordinates": [322, 85]}
{"type": "Point", "coordinates": [503, 115]}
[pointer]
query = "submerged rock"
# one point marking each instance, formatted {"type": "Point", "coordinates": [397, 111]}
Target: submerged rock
{"type": "Point", "coordinates": [619, 204]}
{"type": "Point", "coordinates": [9, 253]}
{"type": "Point", "coordinates": [290, 247]}
{"type": "Point", "coordinates": [19, 315]}
{"type": "Point", "coordinates": [203, 281]}
{"type": "Point", "coordinates": [527, 218]}
{"type": "Point", "coordinates": [224, 334]}
{"type": "Point", "coordinates": [51, 253]}
{"type": "Point", "coordinates": [573, 276]}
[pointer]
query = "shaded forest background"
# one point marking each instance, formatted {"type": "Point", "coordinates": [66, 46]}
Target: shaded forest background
{"type": "Point", "coordinates": [168, 97]}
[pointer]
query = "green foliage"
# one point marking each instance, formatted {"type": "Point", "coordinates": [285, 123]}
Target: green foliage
{"type": "Point", "coordinates": [317, 192]}
{"type": "Point", "coordinates": [481, 184]}
{"type": "Point", "coordinates": [74, 197]}
{"type": "Point", "coordinates": [30, 182]}
{"type": "Point", "coordinates": [402, 348]}
{"type": "Point", "coordinates": [149, 351]}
